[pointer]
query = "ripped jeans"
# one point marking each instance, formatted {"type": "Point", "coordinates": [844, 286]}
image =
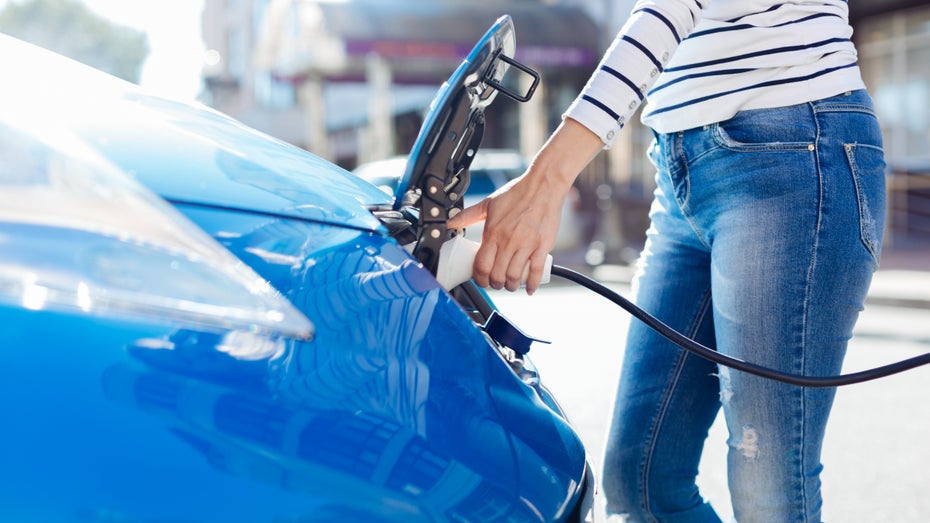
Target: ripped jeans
{"type": "Point", "coordinates": [765, 231]}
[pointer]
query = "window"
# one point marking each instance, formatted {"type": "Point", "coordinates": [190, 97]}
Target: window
{"type": "Point", "coordinates": [269, 92]}
{"type": "Point", "coordinates": [894, 53]}
{"type": "Point", "coordinates": [237, 54]}
{"type": "Point", "coordinates": [273, 93]}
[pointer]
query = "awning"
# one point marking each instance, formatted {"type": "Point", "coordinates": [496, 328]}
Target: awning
{"type": "Point", "coordinates": [302, 37]}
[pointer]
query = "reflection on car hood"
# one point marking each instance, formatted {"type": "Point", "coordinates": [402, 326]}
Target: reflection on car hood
{"type": "Point", "coordinates": [377, 419]}
{"type": "Point", "coordinates": [184, 152]}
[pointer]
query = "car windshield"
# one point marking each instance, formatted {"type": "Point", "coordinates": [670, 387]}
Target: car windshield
{"type": "Point", "coordinates": [77, 234]}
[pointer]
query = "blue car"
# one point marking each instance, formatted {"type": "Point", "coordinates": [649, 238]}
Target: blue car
{"type": "Point", "coordinates": [201, 323]}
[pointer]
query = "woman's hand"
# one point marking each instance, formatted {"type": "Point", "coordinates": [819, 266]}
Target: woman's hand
{"type": "Point", "coordinates": [521, 223]}
{"type": "Point", "coordinates": [522, 218]}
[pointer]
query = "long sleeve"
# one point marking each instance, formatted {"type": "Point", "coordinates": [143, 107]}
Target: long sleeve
{"type": "Point", "coordinates": [633, 63]}
{"type": "Point", "coordinates": [695, 63]}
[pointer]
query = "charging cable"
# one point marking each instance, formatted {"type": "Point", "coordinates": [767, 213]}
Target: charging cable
{"type": "Point", "coordinates": [705, 352]}
{"type": "Point", "coordinates": [457, 256]}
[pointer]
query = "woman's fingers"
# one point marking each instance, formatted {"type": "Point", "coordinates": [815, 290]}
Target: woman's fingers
{"type": "Point", "coordinates": [484, 264]}
{"type": "Point", "coordinates": [469, 216]}
{"type": "Point", "coordinates": [536, 269]}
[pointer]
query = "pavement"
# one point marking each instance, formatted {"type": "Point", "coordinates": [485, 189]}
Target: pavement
{"type": "Point", "coordinates": [903, 277]}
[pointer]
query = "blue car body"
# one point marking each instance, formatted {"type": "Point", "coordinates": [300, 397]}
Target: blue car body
{"type": "Point", "coordinates": [202, 323]}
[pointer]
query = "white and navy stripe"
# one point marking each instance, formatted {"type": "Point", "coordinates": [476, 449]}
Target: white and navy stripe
{"type": "Point", "coordinates": [702, 61]}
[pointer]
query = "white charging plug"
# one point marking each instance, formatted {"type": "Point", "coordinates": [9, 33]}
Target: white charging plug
{"type": "Point", "coordinates": [457, 257]}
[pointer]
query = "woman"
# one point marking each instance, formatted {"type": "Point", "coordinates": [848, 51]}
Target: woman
{"type": "Point", "coordinates": [766, 226]}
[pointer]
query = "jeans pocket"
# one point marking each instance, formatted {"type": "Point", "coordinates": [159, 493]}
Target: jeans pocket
{"type": "Point", "coordinates": [780, 129]}
{"type": "Point", "coordinates": [867, 164]}
{"type": "Point", "coordinates": [761, 143]}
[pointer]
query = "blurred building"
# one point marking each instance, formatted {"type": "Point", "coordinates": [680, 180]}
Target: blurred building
{"type": "Point", "coordinates": [350, 80]}
{"type": "Point", "coordinates": [893, 37]}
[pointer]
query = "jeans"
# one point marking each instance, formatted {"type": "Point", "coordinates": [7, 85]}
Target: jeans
{"type": "Point", "coordinates": [765, 231]}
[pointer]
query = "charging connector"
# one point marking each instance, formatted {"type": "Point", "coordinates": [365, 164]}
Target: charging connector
{"type": "Point", "coordinates": [457, 257]}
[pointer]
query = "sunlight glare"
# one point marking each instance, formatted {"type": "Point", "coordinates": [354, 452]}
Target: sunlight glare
{"type": "Point", "coordinates": [173, 67]}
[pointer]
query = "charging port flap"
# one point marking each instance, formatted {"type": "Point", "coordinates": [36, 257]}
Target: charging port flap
{"type": "Point", "coordinates": [501, 330]}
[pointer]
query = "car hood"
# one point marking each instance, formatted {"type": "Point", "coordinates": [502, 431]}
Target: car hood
{"type": "Point", "coordinates": [185, 152]}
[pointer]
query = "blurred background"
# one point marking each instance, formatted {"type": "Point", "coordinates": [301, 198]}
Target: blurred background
{"type": "Point", "coordinates": [350, 81]}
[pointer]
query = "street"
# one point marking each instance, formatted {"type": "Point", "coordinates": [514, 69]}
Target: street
{"type": "Point", "coordinates": [876, 457]}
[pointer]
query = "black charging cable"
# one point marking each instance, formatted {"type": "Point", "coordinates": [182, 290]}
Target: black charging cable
{"type": "Point", "coordinates": [735, 363]}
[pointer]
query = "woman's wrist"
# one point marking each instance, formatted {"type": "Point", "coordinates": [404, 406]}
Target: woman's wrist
{"type": "Point", "coordinates": [570, 148]}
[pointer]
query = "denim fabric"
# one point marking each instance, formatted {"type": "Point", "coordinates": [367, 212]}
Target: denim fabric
{"type": "Point", "coordinates": [765, 232]}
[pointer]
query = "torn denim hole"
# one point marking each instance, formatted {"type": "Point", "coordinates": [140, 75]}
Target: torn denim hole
{"type": "Point", "coordinates": [748, 444]}
{"type": "Point", "coordinates": [726, 389]}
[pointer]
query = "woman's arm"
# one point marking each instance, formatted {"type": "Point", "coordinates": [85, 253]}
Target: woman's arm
{"type": "Point", "coordinates": [522, 218]}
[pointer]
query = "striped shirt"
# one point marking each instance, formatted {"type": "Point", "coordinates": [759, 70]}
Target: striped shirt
{"type": "Point", "coordinates": [699, 62]}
